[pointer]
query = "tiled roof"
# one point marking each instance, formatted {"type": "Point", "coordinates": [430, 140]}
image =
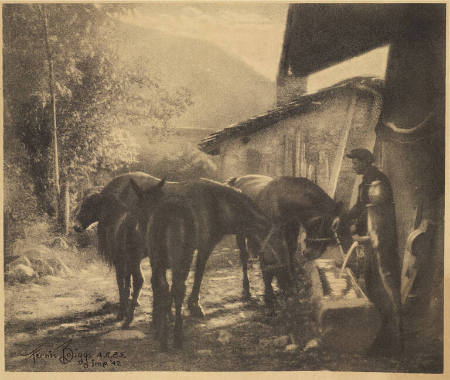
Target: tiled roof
{"type": "Point", "coordinates": [211, 142]}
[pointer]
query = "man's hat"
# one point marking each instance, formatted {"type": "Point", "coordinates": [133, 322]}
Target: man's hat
{"type": "Point", "coordinates": [362, 155]}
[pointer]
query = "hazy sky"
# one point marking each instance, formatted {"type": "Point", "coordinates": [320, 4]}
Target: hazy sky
{"type": "Point", "coordinates": [252, 32]}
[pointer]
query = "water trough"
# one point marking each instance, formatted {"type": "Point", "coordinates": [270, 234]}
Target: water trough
{"type": "Point", "coordinates": [347, 320]}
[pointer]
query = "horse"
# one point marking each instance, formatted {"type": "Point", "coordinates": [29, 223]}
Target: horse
{"type": "Point", "coordinates": [197, 216]}
{"type": "Point", "coordinates": [110, 206]}
{"type": "Point", "coordinates": [120, 244]}
{"type": "Point", "coordinates": [290, 202]}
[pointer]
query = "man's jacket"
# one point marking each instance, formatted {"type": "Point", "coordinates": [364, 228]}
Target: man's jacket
{"type": "Point", "coordinates": [358, 213]}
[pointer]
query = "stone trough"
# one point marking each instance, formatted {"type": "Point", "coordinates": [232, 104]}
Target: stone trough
{"type": "Point", "coordinates": [347, 320]}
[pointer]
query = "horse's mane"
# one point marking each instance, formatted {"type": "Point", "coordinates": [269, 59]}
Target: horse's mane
{"type": "Point", "coordinates": [230, 181]}
{"type": "Point", "coordinates": [221, 184]}
{"type": "Point", "coordinates": [315, 193]}
{"type": "Point", "coordinates": [92, 190]}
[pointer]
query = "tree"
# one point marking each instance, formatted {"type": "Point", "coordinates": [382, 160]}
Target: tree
{"type": "Point", "coordinates": [95, 92]}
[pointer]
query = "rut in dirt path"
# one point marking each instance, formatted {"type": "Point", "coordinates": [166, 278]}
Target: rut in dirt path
{"type": "Point", "coordinates": [230, 331]}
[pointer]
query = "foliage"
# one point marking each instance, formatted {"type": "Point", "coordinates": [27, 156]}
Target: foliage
{"type": "Point", "coordinates": [186, 164]}
{"type": "Point", "coordinates": [20, 206]}
{"type": "Point", "coordinates": [97, 93]}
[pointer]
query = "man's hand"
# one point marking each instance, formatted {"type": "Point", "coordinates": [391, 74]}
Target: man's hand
{"type": "Point", "coordinates": [335, 224]}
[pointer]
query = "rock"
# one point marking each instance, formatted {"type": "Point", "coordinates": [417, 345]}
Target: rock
{"type": "Point", "coordinates": [204, 352]}
{"type": "Point", "coordinates": [20, 260]}
{"type": "Point", "coordinates": [59, 242]}
{"type": "Point", "coordinates": [40, 251]}
{"type": "Point", "coordinates": [281, 341]}
{"type": "Point", "coordinates": [21, 273]}
{"type": "Point", "coordinates": [264, 342]}
{"type": "Point", "coordinates": [263, 327]}
{"type": "Point", "coordinates": [224, 337]}
{"type": "Point", "coordinates": [123, 335]}
{"type": "Point", "coordinates": [59, 267]}
{"type": "Point", "coordinates": [42, 268]}
{"type": "Point", "coordinates": [291, 348]}
{"type": "Point", "coordinates": [313, 343]}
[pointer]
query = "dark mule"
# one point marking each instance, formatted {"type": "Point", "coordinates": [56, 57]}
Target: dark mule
{"type": "Point", "coordinates": [290, 202]}
{"type": "Point", "coordinates": [119, 242]}
{"type": "Point", "coordinates": [197, 216]}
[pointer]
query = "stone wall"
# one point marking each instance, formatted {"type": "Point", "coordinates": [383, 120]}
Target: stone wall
{"type": "Point", "coordinates": [306, 144]}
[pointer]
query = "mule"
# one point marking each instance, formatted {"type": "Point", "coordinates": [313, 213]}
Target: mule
{"type": "Point", "coordinates": [198, 216]}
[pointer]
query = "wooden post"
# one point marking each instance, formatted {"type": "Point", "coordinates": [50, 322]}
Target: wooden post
{"type": "Point", "coordinates": [298, 148]}
{"type": "Point", "coordinates": [312, 172]}
{"type": "Point", "coordinates": [293, 156]}
{"type": "Point", "coordinates": [303, 166]}
{"type": "Point", "coordinates": [285, 155]}
{"type": "Point", "coordinates": [66, 206]}
{"type": "Point", "coordinates": [323, 175]}
{"type": "Point", "coordinates": [341, 148]}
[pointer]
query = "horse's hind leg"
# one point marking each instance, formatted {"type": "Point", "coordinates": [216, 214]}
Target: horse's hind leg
{"type": "Point", "coordinates": [291, 235]}
{"type": "Point", "coordinates": [156, 306]}
{"type": "Point", "coordinates": [123, 291]}
{"type": "Point", "coordinates": [243, 254]}
{"type": "Point", "coordinates": [138, 280]}
{"type": "Point", "coordinates": [166, 302]}
{"type": "Point", "coordinates": [193, 303]}
{"type": "Point", "coordinates": [179, 290]}
{"type": "Point", "coordinates": [161, 304]}
{"type": "Point", "coordinates": [269, 297]}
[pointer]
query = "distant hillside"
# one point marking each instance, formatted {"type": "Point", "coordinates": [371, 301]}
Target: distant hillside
{"type": "Point", "coordinates": [225, 90]}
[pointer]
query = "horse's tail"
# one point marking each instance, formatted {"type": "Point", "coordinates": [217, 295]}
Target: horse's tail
{"type": "Point", "coordinates": [172, 234]}
{"type": "Point", "coordinates": [103, 246]}
{"type": "Point", "coordinates": [110, 239]}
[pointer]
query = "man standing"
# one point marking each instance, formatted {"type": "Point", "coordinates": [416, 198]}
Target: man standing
{"type": "Point", "coordinates": [362, 161]}
{"type": "Point", "coordinates": [374, 215]}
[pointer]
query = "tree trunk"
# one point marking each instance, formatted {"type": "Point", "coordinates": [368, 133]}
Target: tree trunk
{"type": "Point", "coordinates": [65, 208]}
{"type": "Point", "coordinates": [51, 79]}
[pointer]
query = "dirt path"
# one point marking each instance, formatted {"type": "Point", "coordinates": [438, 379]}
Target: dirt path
{"type": "Point", "coordinates": [69, 325]}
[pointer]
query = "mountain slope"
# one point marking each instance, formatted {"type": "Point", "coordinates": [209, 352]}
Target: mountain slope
{"type": "Point", "coordinates": [225, 89]}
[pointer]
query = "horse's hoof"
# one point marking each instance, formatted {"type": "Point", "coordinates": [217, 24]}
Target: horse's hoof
{"type": "Point", "coordinates": [178, 343]}
{"type": "Point", "coordinates": [130, 300]}
{"type": "Point", "coordinates": [125, 325]}
{"type": "Point", "coordinates": [246, 297]}
{"type": "Point", "coordinates": [196, 311]}
{"type": "Point", "coordinates": [164, 347]}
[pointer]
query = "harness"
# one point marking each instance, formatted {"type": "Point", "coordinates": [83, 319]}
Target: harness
{"type": "Point", "coordinates": [279, 264]}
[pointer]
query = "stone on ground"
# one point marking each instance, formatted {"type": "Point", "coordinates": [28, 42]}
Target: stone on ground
{"type": "Point", "coordinates": [123, 335]}
{"type": "Point", "coordinates": [21, 273]}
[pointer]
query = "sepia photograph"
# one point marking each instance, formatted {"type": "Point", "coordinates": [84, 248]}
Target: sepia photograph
{"type": "Point", "coordinates": [223, 187]}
